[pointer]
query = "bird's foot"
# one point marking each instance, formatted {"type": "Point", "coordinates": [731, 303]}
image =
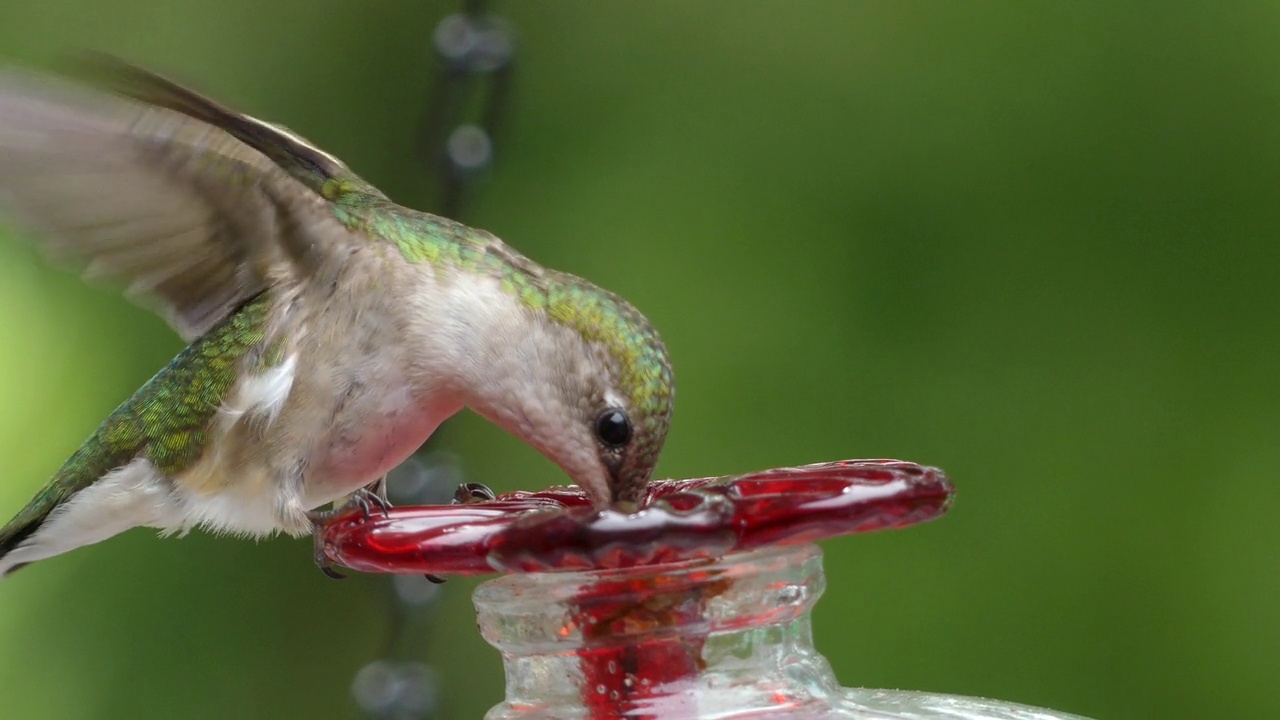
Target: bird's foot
{"type": "Point", "coordinates": [470, 493]}
{"type": "Point", "coordinates": [379, 487]}
{"type": "Point", "coordinates": [320, 557]}
{"type": "Point", "coordinates": [366, 500]}
{"type": "Point", "coordinates": [467, 494]}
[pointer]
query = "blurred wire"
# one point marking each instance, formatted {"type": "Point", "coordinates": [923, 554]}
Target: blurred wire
{"type": "Point", "coordinates": [398, 686]}
{"type": "Point", "coordinates": [475, 50]}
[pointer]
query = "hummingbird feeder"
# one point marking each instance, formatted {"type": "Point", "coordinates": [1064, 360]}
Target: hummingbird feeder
{"type": "Point", "coordinates": [696, 605]}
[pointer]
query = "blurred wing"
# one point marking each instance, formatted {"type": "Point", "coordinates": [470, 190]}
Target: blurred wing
{"type": "Point", "coordinates": [194, 220]}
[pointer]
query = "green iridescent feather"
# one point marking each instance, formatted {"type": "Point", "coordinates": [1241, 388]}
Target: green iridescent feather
{"type": "Point", "coordinates": [596, 314]}
{"type": "Point", "coordinates": [166, 421]}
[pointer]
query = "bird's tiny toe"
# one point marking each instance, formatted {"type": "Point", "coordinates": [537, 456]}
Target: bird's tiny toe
{"type": "Point", "coordinates": [362, 502]}
{"type": "Point", "coordinates": [379, 488]}
{"type": "Point", "coordinates": [365, 500]}
{"type": "Point", "coordinates": [320, 518]}
{"type": "Point", "coordinates": [368, 500]}
{"type": "Point", "coordinates": [321, 558]}
{"type": "Point", "coordinates": [381, 502]}
{"type": "Point", "coordinates": [468, 493]}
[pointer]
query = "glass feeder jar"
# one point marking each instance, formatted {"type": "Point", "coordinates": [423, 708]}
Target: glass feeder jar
{"type": "Point", "coordinates": [728, 638]}
{"type": "Point", "coordinates": [695, 606]}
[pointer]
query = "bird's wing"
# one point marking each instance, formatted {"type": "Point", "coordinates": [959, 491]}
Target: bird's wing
{"type": "Point", "coordinates": [196, 208]}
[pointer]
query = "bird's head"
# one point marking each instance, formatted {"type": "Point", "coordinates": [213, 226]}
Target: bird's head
{"type": "Point", "coordinates": [590, 386]}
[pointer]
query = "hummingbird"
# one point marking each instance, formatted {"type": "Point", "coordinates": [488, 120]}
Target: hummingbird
{"type": "Point", "coordinates": [330, 330]}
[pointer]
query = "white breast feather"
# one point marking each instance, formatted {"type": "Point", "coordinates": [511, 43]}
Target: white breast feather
{"type": "Point", "coordinates": [263, 395]}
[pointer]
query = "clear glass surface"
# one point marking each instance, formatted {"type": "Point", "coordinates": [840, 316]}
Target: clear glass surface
{"type": "Point", "coordinates": [729, 638]}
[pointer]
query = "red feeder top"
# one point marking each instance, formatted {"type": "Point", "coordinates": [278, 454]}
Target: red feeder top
{"type": "Point", "coordinates": [558, 529]}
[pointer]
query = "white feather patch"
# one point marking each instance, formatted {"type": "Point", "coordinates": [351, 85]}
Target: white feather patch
{"type": "Point", "coordinates": [263, 395]}
{"type": "Point", "coordinates": [294, 137]}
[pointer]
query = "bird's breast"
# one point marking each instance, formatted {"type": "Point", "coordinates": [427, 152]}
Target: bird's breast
{"type": "Point", "coordinates": [365, 443]}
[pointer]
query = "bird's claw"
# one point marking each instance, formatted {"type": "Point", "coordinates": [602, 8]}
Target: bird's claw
{"type": "Point", "coordinates": [321, 559]}
{"type": "Point", "coordinates": [470, 493]}
{"type": "Point", "coordinates": [366, 500]}
{"type": "Point", "coordinates": [373, 497]}
{"type": "Point", "coordinates": [379, 487]}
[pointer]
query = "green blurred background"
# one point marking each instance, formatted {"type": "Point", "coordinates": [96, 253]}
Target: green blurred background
{"type": "Point", "coordinates": [1032, 243]}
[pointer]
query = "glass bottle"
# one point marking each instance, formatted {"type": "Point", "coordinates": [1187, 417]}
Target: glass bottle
{"type": "Point", "coordinates": [725, 638]}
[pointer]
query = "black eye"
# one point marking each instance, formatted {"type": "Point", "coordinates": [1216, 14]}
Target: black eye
{"type": "Point", "coordinates": [613, 427]}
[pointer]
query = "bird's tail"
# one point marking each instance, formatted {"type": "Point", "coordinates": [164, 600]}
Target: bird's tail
{"type": "Point", "coordinates": [18, 535]}
{"type": "Point", "coordinates": [13, 535]}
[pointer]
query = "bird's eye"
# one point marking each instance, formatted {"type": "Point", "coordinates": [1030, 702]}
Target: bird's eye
{"type": "Point", "coordinates": [613, 427]}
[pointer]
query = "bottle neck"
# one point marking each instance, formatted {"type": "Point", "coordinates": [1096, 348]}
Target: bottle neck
{"type": "Point", "coordinates": [676, 640]}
